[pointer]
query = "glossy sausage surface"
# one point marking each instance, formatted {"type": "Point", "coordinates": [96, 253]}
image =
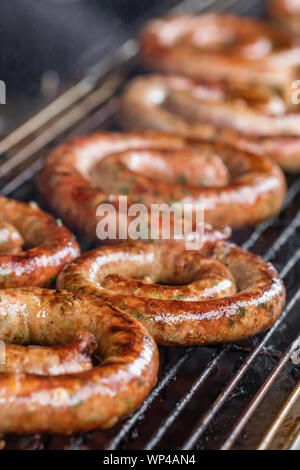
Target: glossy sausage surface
{"type": "Point", "coordinates": [48, 245]}
{"type": "Point", "coordinates": [167, 298]}
{"type": "Point", "coordinates": [11, 241]}
{"type": "Point", "coordinates": [252, 118]}
{"type": "Point", "coordinates": [51, 360]}
{"type": "Point", "coordinates": [254, 192]}
{"type": "Point", "coordinates": [220, 47]}
{"type": "Point", "coordinates": [286, 13]}
{"type": "Point", "coordinates": [91, 399]}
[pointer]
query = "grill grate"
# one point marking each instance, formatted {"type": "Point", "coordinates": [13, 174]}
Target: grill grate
{"type": "Point", "coordinates": [207, 398]}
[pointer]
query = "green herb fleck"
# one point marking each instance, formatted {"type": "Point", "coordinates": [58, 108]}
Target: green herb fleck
{"type": "Point", "coordinates": [129, 405]}
{"type": "Point", "coordinates": [242, 311]}
{"type": "Point", "coordinates": [125, 190]}
{"type": "Point", "coordinates": [179, 297]}
{"type": "Point", "coordinates": [182, 179]}
{"type": "Point", "coordinates": [264, 306]}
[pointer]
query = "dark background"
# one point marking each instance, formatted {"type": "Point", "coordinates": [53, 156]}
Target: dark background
{"type": "Point", "coordinates": [47, 44]}
{"type": "Point", "coordinates": [61, 35]}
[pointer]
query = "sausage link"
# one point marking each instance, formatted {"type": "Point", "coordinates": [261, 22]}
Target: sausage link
{"type": "Point", "coordinates": [48, 245]}
{"type": "Point", "coordinates": [95, 398]}
{"type": "Point", "coordinates": [11, 241]}
{"type": "Point", "coordinates": [254, 192]}
{"type": "Point", "coordinates": [220, 47]}
{"type": "Point", "coordinates": [257, 118]}
{"type": "Point", "coordinates": [54, 360]}
{"type": "Point", "coordinates": [286, 13]}
{"type": "Point", "coordinates": [211, 279]}
{"type": "Point", "coordinates": [253, 302]}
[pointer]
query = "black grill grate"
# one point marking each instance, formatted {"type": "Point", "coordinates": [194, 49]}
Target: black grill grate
{"type": "Point", "coordinates": [207, 398]}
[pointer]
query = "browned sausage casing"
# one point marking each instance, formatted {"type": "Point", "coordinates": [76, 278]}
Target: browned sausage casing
{"type": "Point", "coordinates": [252, 118]}
{"type": "Point", "coordinates": [220, 47]}
{"type": "Point", "coordinates": [78, 401]}
{"type": "Point", "coordinates": [191, 298]}
{"type": "Point", "coordinates": [48, 245]}
{"type": "Point", "coordinates": [286, 13]}
{"type": "Point", "coordinates": [254, 192]}
{"type": "Point", "coordinates": [51, 360]}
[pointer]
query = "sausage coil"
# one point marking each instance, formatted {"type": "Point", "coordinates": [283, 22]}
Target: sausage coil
{"type": "Point", "coordinates": [223, 294]}
{"type": "Point", "coordinates": [220, 47]}
{"type": "Point", "coordinates": [158, 168]}
{"type": "Point", "coordinates": [48, 245]}
{"type": "Point", "coordinates": [78, 401]}
{"type": "Point", "coordinates": [256, 119]}
{"type": "Point", "coordinates": [286, 13]}
{"type": "Point", "coordinates": [55, 360]}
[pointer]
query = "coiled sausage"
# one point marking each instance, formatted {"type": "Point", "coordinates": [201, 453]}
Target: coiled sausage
{"type": "Point", "coordinates": [220, 47]}
{"type": "Point", "coordinates": [55, 360]}
{"type": "Point", "coordinates": [192, 298]}
{"type": "Point", "coordinates": [255, 119]}
{"type": "Point", "coordinates": [79, 401]}
{"type": "Point", "coordinates": [255, 190]}
{"type": "Point", "coordinates": [48, 245]}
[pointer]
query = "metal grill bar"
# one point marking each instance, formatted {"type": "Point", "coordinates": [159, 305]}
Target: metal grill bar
{"type": "Point", "coordinates": [185, 400]}
{"type": "Point", "coordinates": [267, 439]}
{"type": "Point", "coordinates": [99, 96]}
{"type": "Point", "coordinates": [170, 375]}
{"type": "Point", "coordinates": [290, 195]}
{"type": "Point", "coordinates": [219, 402]}
{"type": "Point", "coordinates": [290, 264]}
{"type": "Point", "coordinates": [283, 237]}
{"type": "Point", "coordinates": [107, 111]}
{"type": "Point", "coordinates": [69, 98]}
{"type": "Point", "coordinates": [242, 421]}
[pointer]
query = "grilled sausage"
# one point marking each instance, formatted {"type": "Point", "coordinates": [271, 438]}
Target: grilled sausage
{"type": "Point", "coordinates": [55, 360]}
{"type": "Point", "coordinates": [256, 119]}
{"type": "Point", "coordinates": [286, 13]}
{"type": "Point", "coordinates": [78, 401]}
{"type": "Point", "coordinates": [48, 245]}
{"type": "Point", "coordinates": [220, 47]}
{"type": "Point", "coordinates": [255, 191]}
{"type": "Point", "coordinates": [135, 277]}
{"type": "Point", "coordinates": [11, 241]}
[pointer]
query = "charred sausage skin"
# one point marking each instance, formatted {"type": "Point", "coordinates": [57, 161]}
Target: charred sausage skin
{"type": "Point", "coordinates": [255, 119]}
{"type": "Point", "coordinates": [255, 190]}
{"type": "Point", "coordinates": [48, 245]}
{"type": "Point", "coordinates": [220, 47]}
{"type": "Point", "coordinates": [259, 299]}
{"type": "Point", "coordinates": [79, 401]}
